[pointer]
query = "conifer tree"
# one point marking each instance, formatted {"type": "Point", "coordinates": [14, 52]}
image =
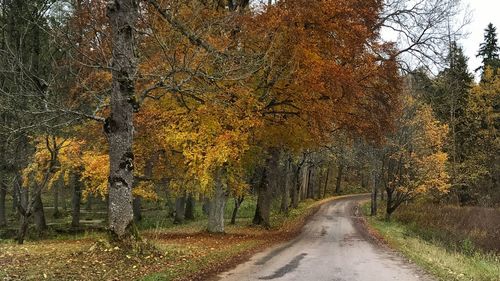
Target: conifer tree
{"type": "Point", "coordinates": [489, 49]}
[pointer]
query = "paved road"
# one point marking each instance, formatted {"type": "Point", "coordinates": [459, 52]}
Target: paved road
{"type": "Point", "coordinates": [331, 247]}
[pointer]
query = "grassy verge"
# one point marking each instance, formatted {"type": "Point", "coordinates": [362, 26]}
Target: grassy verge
{"type": "Point", "coordinates": [434, 255]}
{"type": "Point", "coordinates": [185, 252]}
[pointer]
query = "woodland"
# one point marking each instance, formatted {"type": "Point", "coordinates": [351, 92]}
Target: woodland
{"type": "Point", "coordinates": [126, 116]}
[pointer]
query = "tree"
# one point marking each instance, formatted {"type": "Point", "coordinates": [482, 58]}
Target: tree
{"type": "Point", "coordinates": [448, 98]}
{"type": "Point", "coordinates": [489, 49]}
{"type": "Point", "coordinates": [413, 158]}
{"type": "Point", "coordinates": [119, 126]}
{"type": "Point", "coordinates": [481, 168]}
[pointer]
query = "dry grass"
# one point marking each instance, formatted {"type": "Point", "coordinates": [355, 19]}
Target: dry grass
{"type": "Point", "coordinates": [458, 226]}
{"type": "Point", "coordinates": [432, 249]}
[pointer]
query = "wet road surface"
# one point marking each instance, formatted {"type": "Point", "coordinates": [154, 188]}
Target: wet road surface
{"type": "Point", "coordinates": [332, 247]}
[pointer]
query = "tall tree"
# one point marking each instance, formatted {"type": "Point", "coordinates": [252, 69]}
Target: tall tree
{"type": "Point", "coordinates": [481, 168]}
{"type": "Point", "coordinates": [119, 126]}
{"type": "Point", "coordinates": [489, 49]}
{"type": "Point", "coordinates": [448, 99]}
{"type": "Point", "coordinates": [413, 158]}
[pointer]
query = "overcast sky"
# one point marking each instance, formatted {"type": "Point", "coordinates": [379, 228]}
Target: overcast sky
{"type": "Point", "coordinates": [483, 12]}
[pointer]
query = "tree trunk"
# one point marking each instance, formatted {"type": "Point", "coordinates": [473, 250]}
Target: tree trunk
{"type": "Point", "coordinates": [169, 205]}
{"type": "Point", "coordinates": [75, 201]}
{"type": "Point", "coordinates": [389, 202]}
{"type": "Point", "coordinates": [317, 185]}
{"type": "Point", "coordinates": [296, 187]}
{"type": "Point", "coordinates": [263, 208]}
{"type": "Point", "coordinates": [190, 205]}
{"type": "Point", "coordinates": [373, 209]}
{"type": "Point", "coordinates": [64, 195]}
{"type": "Point", "coordinates": [24, 196]}
{"type": "Point", "coordinates": [136, 207]}
{"type": "Point", "coordinates": [237, 204]}
{"type": "Point", "coordinates": [286, 188]}
{"type": "Point", "coordinates": [3, 194]}
{"type": "Point", "coordinates": [326, 181]}
{"type": "Point", "coordinates": [119, 126]}
{"type": "Point", "coordinates": [265, 191]}
{"type": "Point", "coordinates": [180, 209]}
{"type": "Point", "coordinates": [16, 193]}
{"type": "Point", "coordinates": [23, 228]}
{"type": "Point", "coordinates": [382, 181]}
{"type": "Point", "coordinates": [39, 214]}
{"type": "Point", "coordinates": [339, 179]}
{"type": "Point", "coordinates": [310, 184]}
{"type": "Point", "coordinates": [57, 187]}
{"type": "Point", "coordinates": [217, 204]}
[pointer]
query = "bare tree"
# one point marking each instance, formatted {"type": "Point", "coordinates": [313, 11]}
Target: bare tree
{"type": "Point", "coordinates": [422, 28]}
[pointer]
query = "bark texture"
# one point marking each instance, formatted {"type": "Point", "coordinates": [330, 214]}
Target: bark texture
{"type": "Point", "coordinates": [268, 184]}
{"type": "Point", "coordinates": [218, 204]}
{"type": "Point", "coordinates": [119, 126]}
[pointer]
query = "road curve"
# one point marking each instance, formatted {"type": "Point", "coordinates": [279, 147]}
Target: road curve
{"type": "Point", "coordinates": [332, 247]}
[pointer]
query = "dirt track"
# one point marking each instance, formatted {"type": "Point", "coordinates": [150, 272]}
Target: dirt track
{"type": "Point", "coordinates": [333, 246]}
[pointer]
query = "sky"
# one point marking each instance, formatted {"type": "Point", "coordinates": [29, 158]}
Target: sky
{"type": "Point", "coordinates": [483, 12]}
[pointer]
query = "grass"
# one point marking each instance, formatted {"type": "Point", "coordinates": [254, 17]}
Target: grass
{"type": "Point", "coordinates": [184, 252]}
{"type": "Point", "coordinates": [434, 255]}
{"type": "Point", "coordinates": [463, 228]}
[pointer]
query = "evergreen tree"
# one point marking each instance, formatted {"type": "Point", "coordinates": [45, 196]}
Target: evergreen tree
{"type": "Point", "coordinates": [481, 168]}
{"type": "Point", "coordinates": [449, 102]}
{"type": "Point", "coordinates": [489, 49]}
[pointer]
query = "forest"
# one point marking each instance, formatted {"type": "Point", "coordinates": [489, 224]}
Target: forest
{"type": "Point", "coordinates": [179, 134]}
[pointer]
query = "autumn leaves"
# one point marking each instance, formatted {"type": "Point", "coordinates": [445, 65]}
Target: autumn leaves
{"type": "Point", "coordinates": [219, 88]}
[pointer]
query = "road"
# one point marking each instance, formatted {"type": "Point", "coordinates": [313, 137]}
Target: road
{"type": "Point", "coordinates": [332, 247]}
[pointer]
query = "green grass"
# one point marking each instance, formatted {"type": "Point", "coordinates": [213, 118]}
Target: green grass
{"type": "Point", "coordinates": [434, 256]}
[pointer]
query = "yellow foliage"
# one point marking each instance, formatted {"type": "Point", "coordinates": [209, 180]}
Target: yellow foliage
{"type": "Point", "coordinates": [416, 152]}
{"type": "Point", "coordinates": [95, 173]}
